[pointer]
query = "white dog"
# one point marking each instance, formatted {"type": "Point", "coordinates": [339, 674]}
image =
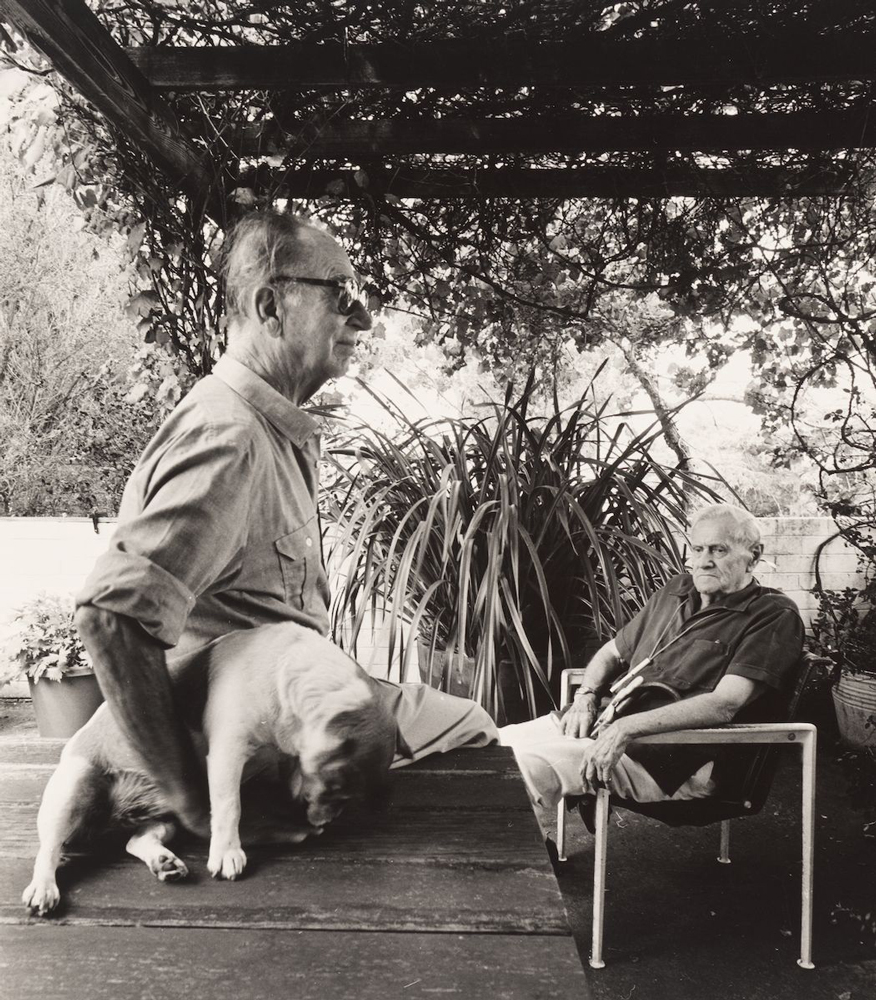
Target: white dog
{"type": "Point", "coordinates": [277, 692]}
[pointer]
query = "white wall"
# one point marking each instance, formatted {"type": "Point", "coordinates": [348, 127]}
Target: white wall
{"type": "Point", "coordinates": [790, 543]}
{"type": "Point", "coordinates": [45, 554]}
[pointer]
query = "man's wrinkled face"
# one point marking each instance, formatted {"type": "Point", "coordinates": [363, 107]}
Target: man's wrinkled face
{"type": "Point", "coordinates": [323, 339]}
{"type": "Point", "coordinates": [719, 563]}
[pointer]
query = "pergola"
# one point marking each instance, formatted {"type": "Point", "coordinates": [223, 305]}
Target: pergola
{"type": "Point", "coordinates": [475, 98]}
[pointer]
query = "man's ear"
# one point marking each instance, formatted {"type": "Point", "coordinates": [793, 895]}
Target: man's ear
{"type": "Point", "coordinates": [756, 553]}
{"type": "Point", "coordinates": [268, 309]}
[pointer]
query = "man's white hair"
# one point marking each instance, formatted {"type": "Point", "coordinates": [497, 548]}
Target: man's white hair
{"type": "Point", "coordinates": [260, 244]}
{"type": "Point", "coordinates": [745, 529]}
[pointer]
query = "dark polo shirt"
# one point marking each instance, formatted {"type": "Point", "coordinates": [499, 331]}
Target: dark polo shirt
{"type": "Point", "coordinates": [755, 632]}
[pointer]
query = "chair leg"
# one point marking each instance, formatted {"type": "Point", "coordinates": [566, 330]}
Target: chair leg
{"type": "Point", "coordinates": [600, 850]}
{"type": "Point", "coordinates": [808, 824]}
{"type": "Point", "coordinates": [724, 856]}
{"type": "Point", "coordinates": [561, 830]}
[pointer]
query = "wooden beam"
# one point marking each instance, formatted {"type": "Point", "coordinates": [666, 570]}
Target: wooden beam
{"type": "Point", "coordinates": [81, 50]}
{"type": "Point", "coordinates": [563, 183]}
{"type": "Point", "coordinates": [582, 134]}
{"type": "Point", "coordinates": [592, 61]}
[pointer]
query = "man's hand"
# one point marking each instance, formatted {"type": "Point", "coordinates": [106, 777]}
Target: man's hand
{"type": "Point", "coordinates": [579, 719]}
{"type": "Point", "coordinates": [601, 756]}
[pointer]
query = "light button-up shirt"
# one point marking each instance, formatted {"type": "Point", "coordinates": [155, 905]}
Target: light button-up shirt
{"type": "Point", "coordinates": [218, 527]}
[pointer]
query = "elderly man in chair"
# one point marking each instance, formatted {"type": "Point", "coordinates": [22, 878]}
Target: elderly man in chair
{"type": "Point", "coordinates": [711, 647]}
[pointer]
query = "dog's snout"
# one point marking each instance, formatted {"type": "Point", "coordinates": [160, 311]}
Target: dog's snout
{"type": "Point", "coordinates": [321, 813]}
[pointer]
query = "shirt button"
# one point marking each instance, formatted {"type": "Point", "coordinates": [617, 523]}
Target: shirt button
{"type": "Point", "coordinates": [308, 542]}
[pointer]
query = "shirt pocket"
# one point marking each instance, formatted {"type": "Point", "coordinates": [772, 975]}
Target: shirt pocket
{"type": "Point", "coordinates": [697, 664]}
{"type": "Point", "coordinates": [298, 555]}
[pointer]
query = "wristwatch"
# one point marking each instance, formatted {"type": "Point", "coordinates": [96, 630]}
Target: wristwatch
{"type": "Point", "coordinates": [587, 690]}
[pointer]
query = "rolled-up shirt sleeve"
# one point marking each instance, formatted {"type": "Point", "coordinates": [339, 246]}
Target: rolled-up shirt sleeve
{"type": "Point", "coordinates": [770, 648]}
{"type": "Point", "coordinates": [193, 496]}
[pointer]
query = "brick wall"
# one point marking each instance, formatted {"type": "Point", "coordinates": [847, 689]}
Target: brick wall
{"type": "Point", "coordinates": [790, 544]}
{"type": "Point", "coordinates": [56, 554]}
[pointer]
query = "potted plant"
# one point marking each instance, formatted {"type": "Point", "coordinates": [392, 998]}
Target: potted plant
{"type": "Point", "coordinates": [845, 631]}
{"type": "Point", "coordinates": [42, 644]}
{"type": "Point", "coordinates": [502, 545]}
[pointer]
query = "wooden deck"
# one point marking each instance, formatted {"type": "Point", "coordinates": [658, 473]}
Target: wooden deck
{"type": "Point", "coordinates": [447, 891]}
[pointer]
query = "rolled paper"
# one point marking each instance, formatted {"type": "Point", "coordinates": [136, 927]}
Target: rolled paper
{"type": "Point", "coordinates": [619, 683]}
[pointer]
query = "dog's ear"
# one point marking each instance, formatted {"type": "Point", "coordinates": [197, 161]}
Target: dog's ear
{"type": "Point", "coordinates": [402, 748]}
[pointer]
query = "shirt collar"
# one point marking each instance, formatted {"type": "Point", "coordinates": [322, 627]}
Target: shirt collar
{"type": "Point", "coordinates": [286, 417]}
{"type": "Point", "coordinates": [683, 586]}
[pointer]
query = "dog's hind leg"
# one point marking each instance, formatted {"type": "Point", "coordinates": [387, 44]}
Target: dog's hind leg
{"type": "Point", "coordinates": [69, 796]}
{"type": "Point", "coordinates": [148, 844]}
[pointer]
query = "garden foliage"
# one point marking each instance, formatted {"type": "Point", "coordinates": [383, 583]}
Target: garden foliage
{"type": "Point", "coordinates": [510, 537]}
{"type": "Point", "coordinates": [42, 641]}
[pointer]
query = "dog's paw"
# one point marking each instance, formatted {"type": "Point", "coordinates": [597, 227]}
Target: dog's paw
{"type": "Point", "coordinates": [227, 864]}
{"type": "Point", "coordinates": [167, 867]}
{"type": "Point", "coordinates": [41, 897]}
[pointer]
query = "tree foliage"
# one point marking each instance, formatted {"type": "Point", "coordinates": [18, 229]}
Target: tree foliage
{"type": "Point", "coordinates": [73, 417]}
{"type": "Point", "coordinates": [512, 282]}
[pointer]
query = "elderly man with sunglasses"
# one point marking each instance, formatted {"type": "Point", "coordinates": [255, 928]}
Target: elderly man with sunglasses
{"type": "Point", "coordinates": [710, 647]}
{"type": "Point", "coordinates": [218, 528]}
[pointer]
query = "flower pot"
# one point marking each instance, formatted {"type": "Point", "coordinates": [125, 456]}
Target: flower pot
{"type": "Point", "coordinates": [854, 700]}
{"type": "Point", "coordinates": [455, 675]}
{"type": "Point", "coordinates": [63, 707]}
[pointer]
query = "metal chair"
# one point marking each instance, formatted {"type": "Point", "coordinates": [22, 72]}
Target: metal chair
{"type": "Point", "coordinates": [743, 796]}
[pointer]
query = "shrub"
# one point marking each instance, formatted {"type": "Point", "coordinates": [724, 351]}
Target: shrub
{"type": "Point", "coordinates": [512, 537]}
{"type": "Point", "coordinates": [43, 641]}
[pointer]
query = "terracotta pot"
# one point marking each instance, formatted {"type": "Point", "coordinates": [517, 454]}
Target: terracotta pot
{"type": "Point", "coordinates": [854, 700]}
{"type": "Point", "coordinates": [456, 676]}
{"type": "Point", "coordinates": [63, 707]}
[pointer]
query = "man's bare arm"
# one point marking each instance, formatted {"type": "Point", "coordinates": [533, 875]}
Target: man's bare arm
{"type": "Point", "coordinates": [131, 668]}
{"type": "Point", "coordinates": [715, 708]}
{"type": "Point", "coordinates": [605, 665]}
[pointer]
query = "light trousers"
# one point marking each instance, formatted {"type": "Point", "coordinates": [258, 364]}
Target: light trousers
{"type": "Point", "coordinates": [430, 721]}
{"type": "Point", "coordinates": [551, 767]}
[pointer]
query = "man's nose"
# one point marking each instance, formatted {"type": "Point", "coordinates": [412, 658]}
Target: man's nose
{"type": "Point", "coordinates": [360, 318]}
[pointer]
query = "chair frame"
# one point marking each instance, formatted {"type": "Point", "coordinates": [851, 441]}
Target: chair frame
{"type": "Point", "coordinates": [802, 734]}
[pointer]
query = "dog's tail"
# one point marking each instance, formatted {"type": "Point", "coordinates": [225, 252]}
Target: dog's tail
{"type": "Point", "coordinates": [134, 800]}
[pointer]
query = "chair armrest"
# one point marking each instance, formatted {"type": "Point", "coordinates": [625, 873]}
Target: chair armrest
{"type": "Point", "coordinates": [568, 677]}
{"type": "Point", "coordinates": [753, 732]}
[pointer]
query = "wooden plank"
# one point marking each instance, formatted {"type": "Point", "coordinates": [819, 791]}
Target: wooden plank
{"type": "Point", "coordinates": [589, 61]}
{"type": "Point", "coordinates": [304, 891]}
{"type": "Point", "coordinates": [442, 832]}
{"type": "Point", "coordinates": [31, 750]}
{"type": "Point", "coordinates": [484, 760]}
{"type": "Point", "coordinates": [19, 749]}
{"type": "Point", "coordinates": [566, 182]}
{"type": "Point", "coordinates": [23, 784]}
{"type": "Point", "coordinates": [464, 810]}
{"type": "Point", "coordinates": [83, 51]}
{"type": "Point", "coordinates": [543, 135]}
{"type": "Point", "coordinates": [454, 860]}
{"type": "Point", "coordinates": [127, 963]}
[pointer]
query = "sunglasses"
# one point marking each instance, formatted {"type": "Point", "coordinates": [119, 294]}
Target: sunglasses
{"type": "Point", "coordinates": [350, 291]}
